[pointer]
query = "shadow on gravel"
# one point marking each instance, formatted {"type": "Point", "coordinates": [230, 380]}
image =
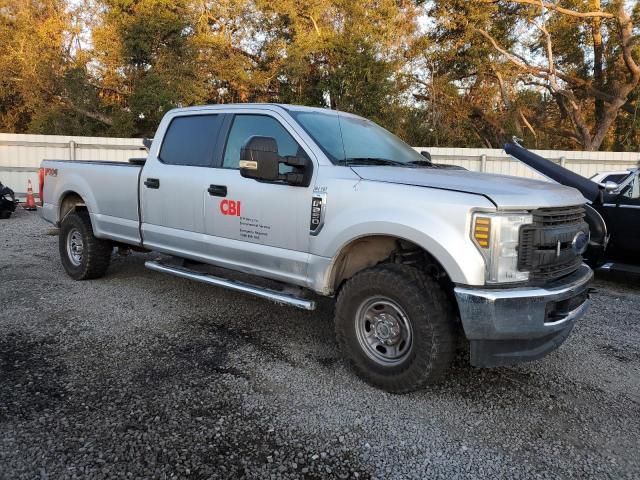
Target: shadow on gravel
{"type": "Point", "coordinates": [618, 354]}
{"type": "Point", "coordinates": [188, 353]}
{"type": "Point", "coordinates": [30, 376]}
{"type": "Point", "coordinates": [239, 337]}
{"type": "Point", "coordinates": [182, 411]}
{"type": "Point", "coordinates": [618, 279]}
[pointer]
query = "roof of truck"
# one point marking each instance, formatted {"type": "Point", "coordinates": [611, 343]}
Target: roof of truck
{"type": "Point", "coordinates": [284, 106]}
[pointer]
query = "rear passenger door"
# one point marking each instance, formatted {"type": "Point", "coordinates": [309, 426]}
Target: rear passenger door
{"type": "Point", "coordinates": [174, 184]}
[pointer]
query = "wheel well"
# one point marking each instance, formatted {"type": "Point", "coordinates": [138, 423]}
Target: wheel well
{"type": "Point", "coordinates": [70, 201]}
{"type": "Point", "coordinates": [368, 251]}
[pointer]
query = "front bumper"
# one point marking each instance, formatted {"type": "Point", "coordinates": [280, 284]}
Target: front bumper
{"type": "Point", "coordinates": [508, 326]}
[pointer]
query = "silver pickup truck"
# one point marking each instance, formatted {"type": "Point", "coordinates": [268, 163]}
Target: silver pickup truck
{"type": "Point", "coordinates": [418, 258]}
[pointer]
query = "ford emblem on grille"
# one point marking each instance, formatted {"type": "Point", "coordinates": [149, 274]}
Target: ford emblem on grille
{"type": "Point", "coordinates": [579, 243]}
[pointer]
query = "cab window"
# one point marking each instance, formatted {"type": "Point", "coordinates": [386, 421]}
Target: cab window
{"type": "Point", "coordinates": [190, 140]}
{"type": "Point", "coordinates": [247, 126]}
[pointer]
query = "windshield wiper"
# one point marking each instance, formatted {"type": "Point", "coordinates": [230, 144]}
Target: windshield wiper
{"type": "Point", "coordinates": [371, 161]}
{"type": "Point", "coordinates": [422, 163]}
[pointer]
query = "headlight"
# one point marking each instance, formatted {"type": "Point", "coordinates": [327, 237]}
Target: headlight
{"type": "Point", "coordinates": [496, 235]}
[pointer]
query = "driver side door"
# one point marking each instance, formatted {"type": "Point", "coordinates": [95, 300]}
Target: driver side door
{"type": "Point", "coordinates": [261, 227]}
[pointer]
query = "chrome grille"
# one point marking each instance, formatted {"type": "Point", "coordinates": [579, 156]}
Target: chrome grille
{"type": "Point", "coordinates": [545, 247]}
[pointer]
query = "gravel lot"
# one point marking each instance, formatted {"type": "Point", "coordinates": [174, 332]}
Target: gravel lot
{"type": "Point", "coordinates": [141, 375]}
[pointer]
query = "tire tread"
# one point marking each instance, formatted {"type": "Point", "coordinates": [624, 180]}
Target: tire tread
{"type": "Point", "coordinates": [97, 252]}
{"type": "Point", "coordinates": [432, 303]}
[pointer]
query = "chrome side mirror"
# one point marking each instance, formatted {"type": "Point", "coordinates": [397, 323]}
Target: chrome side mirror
{"type": "Point", "coordinates": [610, 186]}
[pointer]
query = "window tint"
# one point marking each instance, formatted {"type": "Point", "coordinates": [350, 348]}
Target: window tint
{"type": "Point", "coordinates": [246, 126]}
{"type": "Point", "coordinates": [191, 140]}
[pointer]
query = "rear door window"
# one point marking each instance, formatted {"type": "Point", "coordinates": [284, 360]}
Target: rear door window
{"type": "Point", "coordinates": [191, 140]}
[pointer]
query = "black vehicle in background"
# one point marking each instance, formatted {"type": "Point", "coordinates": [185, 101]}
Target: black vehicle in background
{"type": "Point", "coordinates": [7, 202]}
{"type": "Point", "coordinates": [612, 211]}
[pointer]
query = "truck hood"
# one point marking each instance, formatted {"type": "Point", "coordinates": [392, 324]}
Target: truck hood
{"type": "Point", "coordinates": [504, 191]}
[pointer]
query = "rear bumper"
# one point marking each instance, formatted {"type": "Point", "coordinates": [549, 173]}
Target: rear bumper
{"type": "Point", "coordinates": [508, 326]}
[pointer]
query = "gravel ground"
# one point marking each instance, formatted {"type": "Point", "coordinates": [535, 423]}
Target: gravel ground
{"type": "Point", "coordinates": [141, 375]}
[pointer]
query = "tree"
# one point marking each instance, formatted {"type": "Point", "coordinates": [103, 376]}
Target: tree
{"type": "Point", "coordinates": [560, 74]}
{"type": "Point", "coordinates": [582, 52]}
{"type": "Point", "coordinates": [40, 70]}
{"type": "Point", "coordinates": [145, 62]}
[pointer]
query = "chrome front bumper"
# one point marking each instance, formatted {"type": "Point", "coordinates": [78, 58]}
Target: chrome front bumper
{"type": "Point", "coordinates": [507, 326]}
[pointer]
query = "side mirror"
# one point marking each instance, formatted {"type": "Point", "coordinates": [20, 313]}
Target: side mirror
{"type": "Point", "coordinates": [259, 160]}
{"type": "Point", "coordinates": [426, 154]}
{"type": "Point", "coordinates": [610, 186]}
{"type": "Point", "coordinates": [147, 143]}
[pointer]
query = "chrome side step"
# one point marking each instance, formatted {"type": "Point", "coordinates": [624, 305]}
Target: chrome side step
{"type": "Point", "coordinates": [273, 295]}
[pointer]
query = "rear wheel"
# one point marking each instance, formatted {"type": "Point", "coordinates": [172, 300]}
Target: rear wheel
{"type": "Point", "coordinates": [396, 327]}
{"type": "Point", "coordinates": [83, 255]}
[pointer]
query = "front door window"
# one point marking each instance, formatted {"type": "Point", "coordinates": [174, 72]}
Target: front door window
{"type": "Point", "coordinates": [247, 126]}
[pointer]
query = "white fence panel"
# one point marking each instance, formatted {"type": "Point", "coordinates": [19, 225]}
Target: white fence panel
{"type": "Point", "coordinates": [497, 161]}
{"type": "Point", "coordinates": [20, 157]}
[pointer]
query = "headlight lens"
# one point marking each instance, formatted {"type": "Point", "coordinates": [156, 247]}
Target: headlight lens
{"type": "Point", "coordinates": [496, 235]}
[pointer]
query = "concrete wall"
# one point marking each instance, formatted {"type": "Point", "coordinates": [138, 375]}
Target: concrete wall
{"type": "Point", "coordinates": [20, 157]}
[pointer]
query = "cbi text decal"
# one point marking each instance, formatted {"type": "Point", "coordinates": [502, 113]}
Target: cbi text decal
{"type": "Point", "coordinates": [230, 207]}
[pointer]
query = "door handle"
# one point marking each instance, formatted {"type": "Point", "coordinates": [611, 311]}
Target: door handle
{"type": "Point", "coordinates": [217, 190]}
{"type": "Point", "coordinates": [152, 183]}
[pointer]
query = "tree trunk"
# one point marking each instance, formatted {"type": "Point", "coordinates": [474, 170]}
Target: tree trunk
{"type": "Point", "coordinates": [598, 55]}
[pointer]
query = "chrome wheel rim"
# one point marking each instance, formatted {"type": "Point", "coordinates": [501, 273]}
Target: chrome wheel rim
{"type": "Point", "coordinates": [75, 246]}
{"type": "Point", "coordinates": [384, 331]}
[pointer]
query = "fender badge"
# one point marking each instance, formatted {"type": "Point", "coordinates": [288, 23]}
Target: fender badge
{"type": "Point", "coordinates": [318, 207]}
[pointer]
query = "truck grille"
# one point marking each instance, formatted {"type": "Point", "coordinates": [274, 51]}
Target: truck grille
{"type": "Point", "coordinates": [545, 247]}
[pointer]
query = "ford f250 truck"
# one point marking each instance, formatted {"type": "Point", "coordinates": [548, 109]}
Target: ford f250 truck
{"type": "Point", "coordinates": [419, 259]}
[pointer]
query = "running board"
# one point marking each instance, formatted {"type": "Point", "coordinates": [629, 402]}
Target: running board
{"type": "Point", "coordinates": [273, 295]}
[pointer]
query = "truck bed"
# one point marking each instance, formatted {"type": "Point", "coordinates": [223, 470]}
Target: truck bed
{"type": "Point", "coordinates": [109, 189]}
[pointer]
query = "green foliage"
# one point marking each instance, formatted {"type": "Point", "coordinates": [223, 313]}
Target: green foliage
{"type": "Point", "coordinates": [425, 70]}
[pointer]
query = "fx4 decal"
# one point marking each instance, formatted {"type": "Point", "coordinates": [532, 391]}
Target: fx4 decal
{"type": "Point", "coordinates": [230, 207]}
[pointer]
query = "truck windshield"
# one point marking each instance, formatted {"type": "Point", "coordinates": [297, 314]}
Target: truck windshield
{"type": "Point", "coordinates": [348, 140]}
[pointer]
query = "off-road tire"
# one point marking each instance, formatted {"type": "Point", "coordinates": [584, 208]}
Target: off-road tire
{"type": "Point", "coordinates": [96, 253]}
{"type": "Point", "coordinates": [432, 319]}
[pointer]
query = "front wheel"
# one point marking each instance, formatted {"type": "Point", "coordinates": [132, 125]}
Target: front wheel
{"type": "Point", "coordinates": [396, 327]}
{"type": "Point", "coordinates": [83, 255]}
